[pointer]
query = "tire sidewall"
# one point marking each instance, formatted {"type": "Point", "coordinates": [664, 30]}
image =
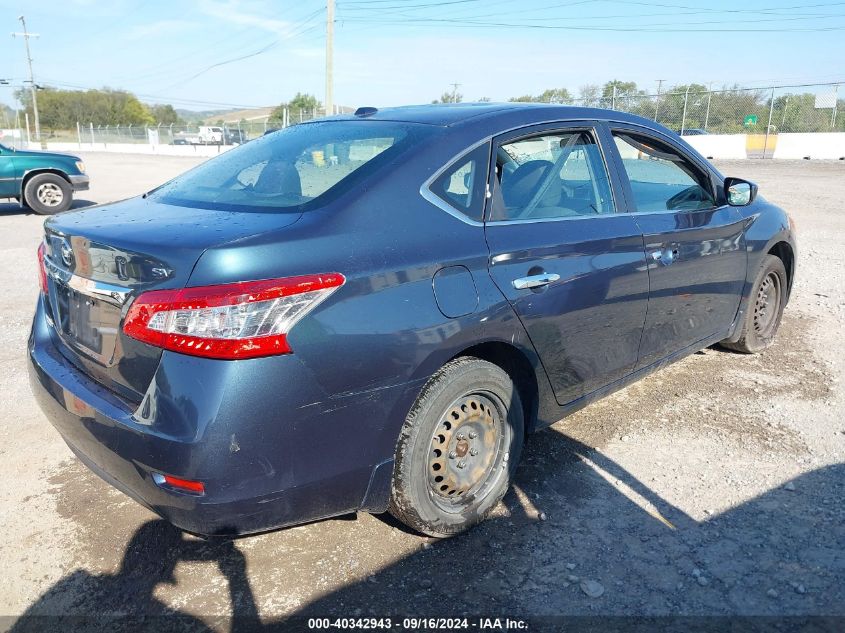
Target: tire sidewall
{"type": "Point", "coordinates": [411, 494]}
{"type": "Point", "coordinates": [753, 340]}
{"type": "Point", "coordinates": [31, 197]}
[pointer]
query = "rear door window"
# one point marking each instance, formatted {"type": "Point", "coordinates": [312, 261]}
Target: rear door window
{"type": "Point", "coordinates": [661, 178]}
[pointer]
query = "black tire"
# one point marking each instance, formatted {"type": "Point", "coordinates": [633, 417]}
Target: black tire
{"type": "Point", "coordinates": [765, 308]}
{"type": "Point", "coordinates": [468, 413]}
{"type": "Point", "coordinates": [47, 194]}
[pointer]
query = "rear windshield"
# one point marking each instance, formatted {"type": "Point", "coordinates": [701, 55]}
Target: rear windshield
{"type": "Point", "coordinates": [296, 169]}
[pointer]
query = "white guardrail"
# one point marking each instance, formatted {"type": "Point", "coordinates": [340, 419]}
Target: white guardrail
{"type": "Point", "coordinates": [819, 145]}
{"type": "Point", "coordinates": [137, 148]}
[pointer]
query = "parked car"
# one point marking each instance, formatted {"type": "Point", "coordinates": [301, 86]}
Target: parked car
{"type": "Point", "coordinates": [692, 131]}
{"type": "Point", "coordinates": [268, 340]}
{"type": "Point", "coordinates": [43, 181]}
{"type": "Point", "coordinates": [234, 136]}
{"type": "Point", "coordinates": [205, 135]}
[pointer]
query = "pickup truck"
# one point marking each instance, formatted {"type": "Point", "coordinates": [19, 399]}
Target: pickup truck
{"type": "Point", "coordinates": [43, 181]}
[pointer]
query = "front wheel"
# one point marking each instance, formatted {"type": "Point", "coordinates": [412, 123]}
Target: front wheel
{"type": "Point", "coordinates": [458, 449]}
{"type": "Point", "coordinates": [47, 194]}
{"type": "Point", "coordinates": [765, 308]}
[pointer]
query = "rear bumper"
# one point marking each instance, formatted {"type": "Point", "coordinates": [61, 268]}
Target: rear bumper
{"type": "Point", "coordinates": [80, 182]}
{"type": "Point", "coordinates": [261, 469]}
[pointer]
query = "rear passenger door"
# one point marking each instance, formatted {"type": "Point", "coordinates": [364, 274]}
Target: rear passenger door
{"type": "Point", "coordinates": [572, 267]}
{"type": "Point", "coordinates": [694, 245]}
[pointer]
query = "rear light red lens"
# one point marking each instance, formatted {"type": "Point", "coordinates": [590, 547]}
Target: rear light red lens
{"type": "Point", "coordinates": [185, 485]}
{"type": "Point", "coordinates": [230, 321]}
{"type": "Point", "coordinates": [42, 272]}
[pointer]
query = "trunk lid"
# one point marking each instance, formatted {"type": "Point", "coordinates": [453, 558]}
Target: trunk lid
{"type": "Point", "coordinates": [98, 259]}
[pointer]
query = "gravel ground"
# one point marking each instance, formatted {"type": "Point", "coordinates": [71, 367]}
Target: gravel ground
{"type": "Point", "coordinates": [714, 487]}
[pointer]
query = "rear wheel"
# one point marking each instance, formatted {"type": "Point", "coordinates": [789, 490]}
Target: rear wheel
{"type": "Point", "coordinates": [458, 449]}
{"type": "Point", "coordinates": [47, 194]}
{"type": "Point", "coordinates": [762, 318]}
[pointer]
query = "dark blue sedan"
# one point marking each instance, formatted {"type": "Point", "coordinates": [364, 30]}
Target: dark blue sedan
{"type": "Point", "coordinates": [370, 312]}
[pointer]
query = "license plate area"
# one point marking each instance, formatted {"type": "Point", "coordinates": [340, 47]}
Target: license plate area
{"type": "Point", "coordinates": [87, 323]}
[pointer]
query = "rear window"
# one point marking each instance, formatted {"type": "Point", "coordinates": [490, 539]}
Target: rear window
{"type": "Point", "coordinates": [296, 169]}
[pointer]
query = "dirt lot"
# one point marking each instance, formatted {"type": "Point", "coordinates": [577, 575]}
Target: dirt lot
{"type": "Point", "coordinates": [713, 487]}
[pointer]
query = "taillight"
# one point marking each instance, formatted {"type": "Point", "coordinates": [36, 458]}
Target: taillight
{"type": "Point", "coordinates": [229, 321]}
{"type": "Point", "coordinates": [42, 272]}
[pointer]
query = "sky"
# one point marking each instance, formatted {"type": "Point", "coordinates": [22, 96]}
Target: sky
{"type": "Point", "coordinates": [214, 54]}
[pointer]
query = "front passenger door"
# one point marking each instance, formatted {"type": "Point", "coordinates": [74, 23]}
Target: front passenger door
{"type": "Point", "coordinates": [572, 267]}
{"type": "Point", "coordinates": [695, 247]}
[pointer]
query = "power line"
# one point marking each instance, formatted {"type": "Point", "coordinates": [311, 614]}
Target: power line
{"type": "Point", "coordinates": [365, 11]}
{"type": "Point", "coordinates": [174, 72]}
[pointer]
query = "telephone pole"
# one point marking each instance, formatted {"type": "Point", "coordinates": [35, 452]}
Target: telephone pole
{"type": "Point", "coordinates": [454, 92]}
{"type": "Point", "coordinates": [26, 35]}
{"type": "Point", "coordinates": [657, 101]}
{"type": "Point", "coordinates": [329, 56]}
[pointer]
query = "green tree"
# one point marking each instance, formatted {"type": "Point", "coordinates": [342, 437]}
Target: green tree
{"type": "Point", "coordinates": [622, 95]}
{"type": "Point", "coordinates": [304, 101]}
{"type": "Point", "coordinates": [551, 95]}
{"type": "Point", "coordinates": [301, 102]}
{"type": "Point", "coordinates": [7, 116]}
{"type": "Point", "coordinates": [61, 109]}
{"type": "Point", "coordinates": [589, 95]}
{"type": "Point", "coordinates": [450, 97]}
{"type": "Point", "coordinates": [555, 95]}
{"type": "Point", "coordinates": [165, 114]}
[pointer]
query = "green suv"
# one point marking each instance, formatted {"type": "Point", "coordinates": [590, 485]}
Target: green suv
{"type": "Point", "coordinates": [42, 181]}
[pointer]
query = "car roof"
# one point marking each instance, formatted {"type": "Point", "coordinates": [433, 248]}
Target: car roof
{"type": "Point", "coordinates": [455, 114]}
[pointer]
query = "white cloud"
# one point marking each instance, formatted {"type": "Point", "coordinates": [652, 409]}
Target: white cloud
{"type": "Point", "coordinates": [246, 13]}
{"type": "Point", "coordinates": [161, 27]}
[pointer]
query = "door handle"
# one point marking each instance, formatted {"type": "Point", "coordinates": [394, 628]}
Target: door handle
{"type": "Point", "coordinates": [665, 256]}
{"type": "Point", "coordinates": [535, 281]}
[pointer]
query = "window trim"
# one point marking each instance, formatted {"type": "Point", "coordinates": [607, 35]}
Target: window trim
{"type": "Point", "coordinates": [618, 127]}
{"type": "Point", "coordinates": [591, 126]}
{"type": "Point", "coordinates": [437, 201]}
{"type": "Point", "coordinates": [603, 129]}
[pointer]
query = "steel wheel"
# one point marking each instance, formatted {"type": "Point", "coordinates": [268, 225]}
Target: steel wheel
{"type": "Point", "coordinates": [49, 194]}
{"type": "Point", "coordinates": [767, 304]}
{"type": "Point", "coordinates": [458, 449]}
{"type": "Point", "coordinates": [760, 321]}
{"type": "Point", "coordinates": [465, 450]}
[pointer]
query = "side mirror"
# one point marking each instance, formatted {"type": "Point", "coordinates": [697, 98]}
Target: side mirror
{"type": "Point", "coordinates": [739, 192]}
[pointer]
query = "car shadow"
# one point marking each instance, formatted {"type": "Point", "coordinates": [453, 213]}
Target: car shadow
{"type": "Point", "coordinates": [577, 535]}
{"type": "Point", "coordinates": [13, 208]}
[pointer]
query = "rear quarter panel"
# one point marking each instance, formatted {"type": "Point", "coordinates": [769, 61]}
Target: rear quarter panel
{"type": "Point", "coordinates": [369, 349]}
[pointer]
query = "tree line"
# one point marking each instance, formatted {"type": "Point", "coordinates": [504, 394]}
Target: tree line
{"type": "Point", "coordinates": [728, 110]}
{"type": "Point", "coordinates": [693, 105]}
{"type": "Point", "coordinates": [61, 109]}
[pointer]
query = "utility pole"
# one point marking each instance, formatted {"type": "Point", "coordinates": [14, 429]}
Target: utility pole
{"type": "Point", "coordinates": [329, 56]}
{"type": "Point", "coordinates": [26, 35]}
{"type": "Point", "coordinates": [657, 103]}
{"type": "Point", "coordinates": [454, 92]}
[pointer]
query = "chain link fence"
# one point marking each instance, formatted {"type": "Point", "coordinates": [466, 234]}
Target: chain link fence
{"type": "Point", "coordinates": [693, 110]}
{"type": "Point", "coordinates": [211, 132]}
{"type": "Point", "coordinates": [806, 108]}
